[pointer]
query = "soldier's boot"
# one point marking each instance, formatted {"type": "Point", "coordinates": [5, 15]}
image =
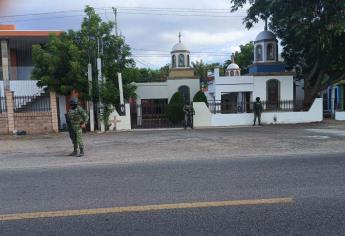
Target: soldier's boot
{"type": "Point", "coordinates": [81, 153]}
{"type": "Point", "coordinates": [75, 151]}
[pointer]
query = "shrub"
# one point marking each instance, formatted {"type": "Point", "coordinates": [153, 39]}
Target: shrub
{"type": "Point", "coordinates": [175, 112]}
{"type": "Point", "coordinates": [200, 97]}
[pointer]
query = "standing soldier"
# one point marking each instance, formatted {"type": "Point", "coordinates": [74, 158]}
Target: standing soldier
{"type": "Point", "coordinates": [76, 121]}
{"type": "Point", "coordinates": [188, 115]}
{"type": "Point", "coordinates": [257, 110]}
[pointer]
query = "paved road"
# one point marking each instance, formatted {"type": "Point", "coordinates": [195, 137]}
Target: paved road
{"type": "Point", "coordinates": [315, 183]}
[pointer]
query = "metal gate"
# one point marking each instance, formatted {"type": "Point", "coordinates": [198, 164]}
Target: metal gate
{"type": "Point", "coordinates": [151, 114]}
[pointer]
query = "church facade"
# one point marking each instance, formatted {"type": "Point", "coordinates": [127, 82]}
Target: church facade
{"type": "Point", "coordinates": [181, 78]}
{"type": "Point", "coordinates": [267, 78]}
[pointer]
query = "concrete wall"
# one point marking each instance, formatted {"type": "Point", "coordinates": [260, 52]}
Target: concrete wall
{"type": "Point", "coordinates": [202, 116]}
{"type": "Point", "coordinates": [232, 84]}
{"type": "Point", "coordinates": [165, 90]}
{"type": "Point", "coordinates": [120, 122]}
{"type": "Point", "coordinates": [339, 115]}
{"type": "Point", "coordinates": [286, 87]}
{"type": "Point", "coordinates": [254, 84]}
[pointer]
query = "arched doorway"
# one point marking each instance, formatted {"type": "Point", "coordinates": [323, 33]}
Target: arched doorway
{"type": "Point", "coordinates": [273, 94]}
{"type": "Point", "coordinates": [185, 91]}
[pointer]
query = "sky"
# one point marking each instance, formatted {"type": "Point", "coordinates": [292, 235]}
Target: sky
{"type": "Point", "coordinates": [150, 27]}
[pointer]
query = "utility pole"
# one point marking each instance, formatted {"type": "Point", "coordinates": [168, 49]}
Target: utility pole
{"type": "Point", "coordinates": [101, 124]}
{"type": "Point", "coordinates": [89, 78]}
{"type": "Point", "coordinates": [115, 22]}
{"type": "Point", "coordinates": [92, 118]}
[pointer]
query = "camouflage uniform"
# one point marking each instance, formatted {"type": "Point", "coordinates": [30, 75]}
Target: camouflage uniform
{"type": "Point", "coordinates": [188, 115]}
{"type": "Point", "coordinates": [76, 117]}
{"type": "Point", "coordinates": [257, 111]}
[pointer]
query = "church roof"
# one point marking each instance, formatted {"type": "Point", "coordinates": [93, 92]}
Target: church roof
{"type": "Point", "coordinates": [180, 47]}
{"type": "Point", "coordinates": [233, 66]}
{"type": "Point", "coordinates": [265, 35]}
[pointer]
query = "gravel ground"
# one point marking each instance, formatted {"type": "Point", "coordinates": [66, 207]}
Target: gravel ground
{"type": "Point", "coordinates": [173, 145]}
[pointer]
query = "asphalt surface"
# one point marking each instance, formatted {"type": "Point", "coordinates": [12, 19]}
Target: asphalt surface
{"type": "Point", "coordinates": [315, 182]}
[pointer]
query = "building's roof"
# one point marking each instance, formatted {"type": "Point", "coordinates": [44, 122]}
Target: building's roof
{"type": "Point", "coordinates": [28, 33]}
{"type": "Point", "coordinates": [265, 35]}
{"type": "Point", "coordinates": [233, 66]}
{"type": "Point", "coordinates": [179, 47]}
{"type": "Point", "coordinates": [10, 31]}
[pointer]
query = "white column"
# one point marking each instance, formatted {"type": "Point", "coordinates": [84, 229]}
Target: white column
{"type": "Point", "coordinates": [122, 100]}
{"type": "Point", "coordinates": [90, 103]}
{"type": "Point", "coordinates": [139, 112]}
{"type": "Point", "coordinates": [5, 64]}
{"type": "Point", "coordinates": [100, 80]}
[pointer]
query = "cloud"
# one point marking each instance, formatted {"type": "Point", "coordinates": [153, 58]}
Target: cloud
{"type": "Point", "coordinates": [150, 31]}
{"type": "Point", "coordinates": [197, 38]}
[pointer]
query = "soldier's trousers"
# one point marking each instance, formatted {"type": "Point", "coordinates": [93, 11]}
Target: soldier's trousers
{"type": "Point", "coordinates": [257, 116]}
{"type": "Point", "coordinates": [76, 137]}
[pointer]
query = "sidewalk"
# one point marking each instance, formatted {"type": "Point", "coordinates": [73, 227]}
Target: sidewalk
{"type": "Point", "coordinates": [173, 145]}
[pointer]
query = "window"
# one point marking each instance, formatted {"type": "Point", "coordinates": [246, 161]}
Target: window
{"type": "Point", "coordinates": [181, 60]}
{"type": "Point", "coordinates": [173, 61]}
{"type": "Point", "coordinates": [237, 73]}
{"type": "Point", "coordinates": [231, 73]}
{"type": "Point", "coordinates": [185, 91]}
{"type": "Point", "coordinates": [258, 51]}
{"type": "Point", "coordinates": [270, 52]}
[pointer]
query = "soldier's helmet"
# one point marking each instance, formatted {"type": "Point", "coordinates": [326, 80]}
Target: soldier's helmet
{"type": "Point", "coordinates": [74, 101]}
{"type": "Point", "coordinates": [258, 99]}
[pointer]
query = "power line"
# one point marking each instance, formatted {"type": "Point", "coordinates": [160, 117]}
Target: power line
{"type": "Point", "coordinates": [133, 11]}
{"type": "Point", "coordinates": [192, 52]}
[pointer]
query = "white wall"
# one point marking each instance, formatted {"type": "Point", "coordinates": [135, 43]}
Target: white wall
{"type": "Point", "coordinates": [120, 122]}
{"type": "Point", "coordinates": [153, 90]}
{"type": "Point", "coordinates": [174, 84]}
{"type": "Point", "coordinates": [339, 115]}
{"type": "Point", "coordinates": [255, 84]}
{"type": "Point", "coordinates": [286, 87]}
{"type": "Point", "coordinates": [232, 84]}
{"type": "Point", "coordinates": [165, 90]}
{"type": "Point", "coordinates": [202, 114]}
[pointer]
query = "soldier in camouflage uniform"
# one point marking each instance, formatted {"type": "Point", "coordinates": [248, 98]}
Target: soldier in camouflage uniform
{"type": "Point", "coordinates": [76, 121]}
{"type": "Point", "coordinates": [257, 110]}
{"type": "Point", "coordinates": [188, 115]}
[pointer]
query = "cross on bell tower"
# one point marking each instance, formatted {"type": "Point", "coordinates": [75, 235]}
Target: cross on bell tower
{"type": "Point", "coordinates": [233, 58]}
{"type": "Point", "coordinates": [179, 37]}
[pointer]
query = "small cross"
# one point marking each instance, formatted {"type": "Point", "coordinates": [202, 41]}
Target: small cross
{"type": "Point", "coordinates": [179, 37]}
{"type": "Point", "coordinates": [233, 57]}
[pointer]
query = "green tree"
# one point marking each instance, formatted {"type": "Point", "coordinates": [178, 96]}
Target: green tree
{"type": "Point", "coordinates": [200, 97]}
{"type": "Point", "coordinates": [244, 58]}
{"type": "Point", "coordinates": [175, 112]}
{"type": "Point", "coordinates": [57, 66]}
{"type": "Point", "coordinates": [61, 65]}
{"type": "Point", "coordinates": [312, 34]}
{"type": "Point", "coordinates": [201, 69]}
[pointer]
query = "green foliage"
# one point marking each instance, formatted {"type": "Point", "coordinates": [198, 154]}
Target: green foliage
{"type": "Point", "coordinates": [57, 66]}
{"type": "Point", "coordinates": [200, 97]}
{"type": "Point", "coordinates": [61, 65]}
{"type": "Point", "coordinates": [146, 74]}
{"type": "Point", "coordinates": [201, 69]}
{"type": "Point", "coordinates": [312, 34]}
{"type": "Point", "coordinates": [244, 58]}
{"type": "Point", "coordinates": [175, 112]}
